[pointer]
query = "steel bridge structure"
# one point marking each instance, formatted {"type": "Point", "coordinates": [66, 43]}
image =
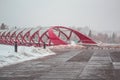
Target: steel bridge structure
{"type": "Point", "coordinates": [55, 35]}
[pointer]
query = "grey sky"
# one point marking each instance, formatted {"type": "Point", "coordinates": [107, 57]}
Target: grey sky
{"type": "Point", "coordinates": [98, 14]}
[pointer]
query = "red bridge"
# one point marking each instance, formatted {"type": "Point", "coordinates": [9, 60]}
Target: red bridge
{"type": "Point", "coordinates": [56, 35]}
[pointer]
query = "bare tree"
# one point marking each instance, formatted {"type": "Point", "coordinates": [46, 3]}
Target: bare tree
{"type": "Point", "coordinates": [90, 33]}
{"type": "Point", "coordinates": [113, 37]}
{"type": "Point", "coordinates": [3, 26]}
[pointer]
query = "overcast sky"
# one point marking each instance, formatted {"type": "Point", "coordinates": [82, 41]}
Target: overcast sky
{"type": "Point", "coordinates": [100, 15]}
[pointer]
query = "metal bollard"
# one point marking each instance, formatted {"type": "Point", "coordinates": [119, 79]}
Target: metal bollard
{"type": "Point", "coordinates": [16, 46]}
{"type": "Point", "coordinates": [44, 45]}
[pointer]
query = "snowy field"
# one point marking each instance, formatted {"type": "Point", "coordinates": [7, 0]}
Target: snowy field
{"type": "Point", "coordinates": [8, 56]}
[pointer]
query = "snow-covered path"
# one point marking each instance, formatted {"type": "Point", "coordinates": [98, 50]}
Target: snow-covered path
{"type": "Point", "coordinates": [72, 64]}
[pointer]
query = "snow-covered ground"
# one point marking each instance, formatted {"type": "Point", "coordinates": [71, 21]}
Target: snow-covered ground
{"type": "Point", "coordinates": [8, 56]}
